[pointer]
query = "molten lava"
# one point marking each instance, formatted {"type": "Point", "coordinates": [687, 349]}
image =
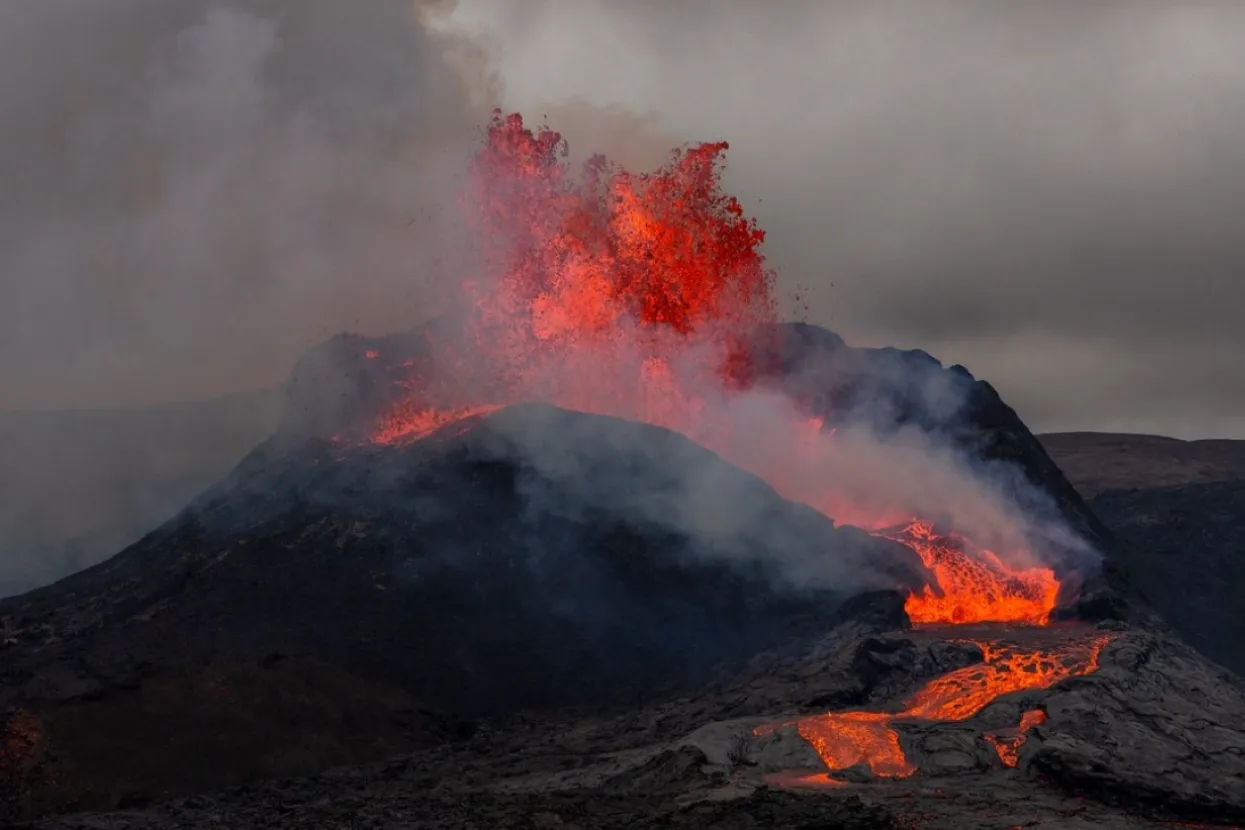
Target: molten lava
{"type": "Point", "coordinates": [845, 739]}
{"type": "Point", "coordinates": [976, 588]}
{"type": "Point", "coordinates": [408, 422]}
{"type": "Point", "coordinates": [1007, 744]}
{"type": "Point", "coordinates": [640, 296]}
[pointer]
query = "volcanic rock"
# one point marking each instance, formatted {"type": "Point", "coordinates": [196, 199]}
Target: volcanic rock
{"type": "Point", "coordinates": [196, 728]}
{"type": "Point", "coordinates": [1183, 545]}
{"type": "Point", "coordinates": [1157, 726]}
{"type": "Point", "coordinates": [1154, 732]}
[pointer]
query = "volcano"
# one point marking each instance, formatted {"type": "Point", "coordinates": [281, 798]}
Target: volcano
{"type": "Point", "coordinates": [606, 543]}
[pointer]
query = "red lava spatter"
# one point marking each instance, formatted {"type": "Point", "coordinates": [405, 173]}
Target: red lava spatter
{"type": "Point", "coordinates": [846, 739]}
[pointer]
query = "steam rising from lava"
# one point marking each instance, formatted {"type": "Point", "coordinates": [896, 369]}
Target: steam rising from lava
{"type": "Point", "coordinates": [646, 297]}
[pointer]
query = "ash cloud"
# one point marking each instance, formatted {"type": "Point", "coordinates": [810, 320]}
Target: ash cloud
{"type": "Point", "coordinates": [1045, 192]}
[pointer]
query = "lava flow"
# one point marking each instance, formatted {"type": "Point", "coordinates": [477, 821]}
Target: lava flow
{"type": "Point", "coordinates": [977, 588]}
{"type": "Point", "coordinates": [640, 296]}
{"type": "Point", "coordinates": [1007, 744]}
{"type": "Point", "coordinates": [845, 739]}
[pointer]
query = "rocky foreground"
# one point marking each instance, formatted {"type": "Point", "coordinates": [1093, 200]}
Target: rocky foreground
{"type": "Point", "coordinates": [1155, 735]}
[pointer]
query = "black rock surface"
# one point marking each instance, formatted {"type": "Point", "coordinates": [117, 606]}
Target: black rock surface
{"type": "Point", "coordinates": [1151, 740]}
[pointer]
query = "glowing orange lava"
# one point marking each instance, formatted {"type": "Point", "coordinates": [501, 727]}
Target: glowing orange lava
{"type": "Point", "coordinates": [845, 739]}
{"type": "Point", "coordinates": [979, 588]}
{"type": "Point", "coordinates": [640, 296]}
{"type": "Point", "coordinates": [1007, 744]}
{"type": "Point", "coordinates": [803, 780]}
{"type": "Point", "coordinates": [409, 423]}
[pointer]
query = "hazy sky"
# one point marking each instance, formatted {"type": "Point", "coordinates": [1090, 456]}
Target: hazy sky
{"type": "Point", "coordinates": [1049, 192]}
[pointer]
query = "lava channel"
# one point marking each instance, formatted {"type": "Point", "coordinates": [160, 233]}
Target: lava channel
{"type": "Point", "coordinates": [847, 739]}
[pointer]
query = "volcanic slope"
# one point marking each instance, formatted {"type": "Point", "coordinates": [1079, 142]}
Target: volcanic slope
{"type": "Point", "coordinates": [532, 558]}
{"type": "Point", "coordinates": [348, 387]}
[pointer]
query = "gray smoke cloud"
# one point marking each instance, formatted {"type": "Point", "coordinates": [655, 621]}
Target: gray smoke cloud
{"type": "Point", "coordinates": [1045, 192]}
{"type": "Point", "coordinates": [198, 191]}
{"type": "Point", "coordinates": [195, 193]}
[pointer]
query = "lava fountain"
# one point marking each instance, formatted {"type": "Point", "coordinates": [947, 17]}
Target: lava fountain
{"type": "Point", "coordinates": [638, 296]}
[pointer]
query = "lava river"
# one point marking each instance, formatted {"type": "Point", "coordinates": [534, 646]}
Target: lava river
{"type": "Point", "coordinates": [638, 296]}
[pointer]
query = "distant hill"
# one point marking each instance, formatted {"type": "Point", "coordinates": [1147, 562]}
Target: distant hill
{"type": "Point", "coordinates": [78, 485]}
{"type": "Point", "coordinates": [1098, 461]}
{"type": "Point", "coordinates": [1177, 511]}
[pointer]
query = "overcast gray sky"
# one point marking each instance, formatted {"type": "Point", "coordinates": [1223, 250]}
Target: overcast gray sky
{"type": "Point", "coordinates": [1049, 192]}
